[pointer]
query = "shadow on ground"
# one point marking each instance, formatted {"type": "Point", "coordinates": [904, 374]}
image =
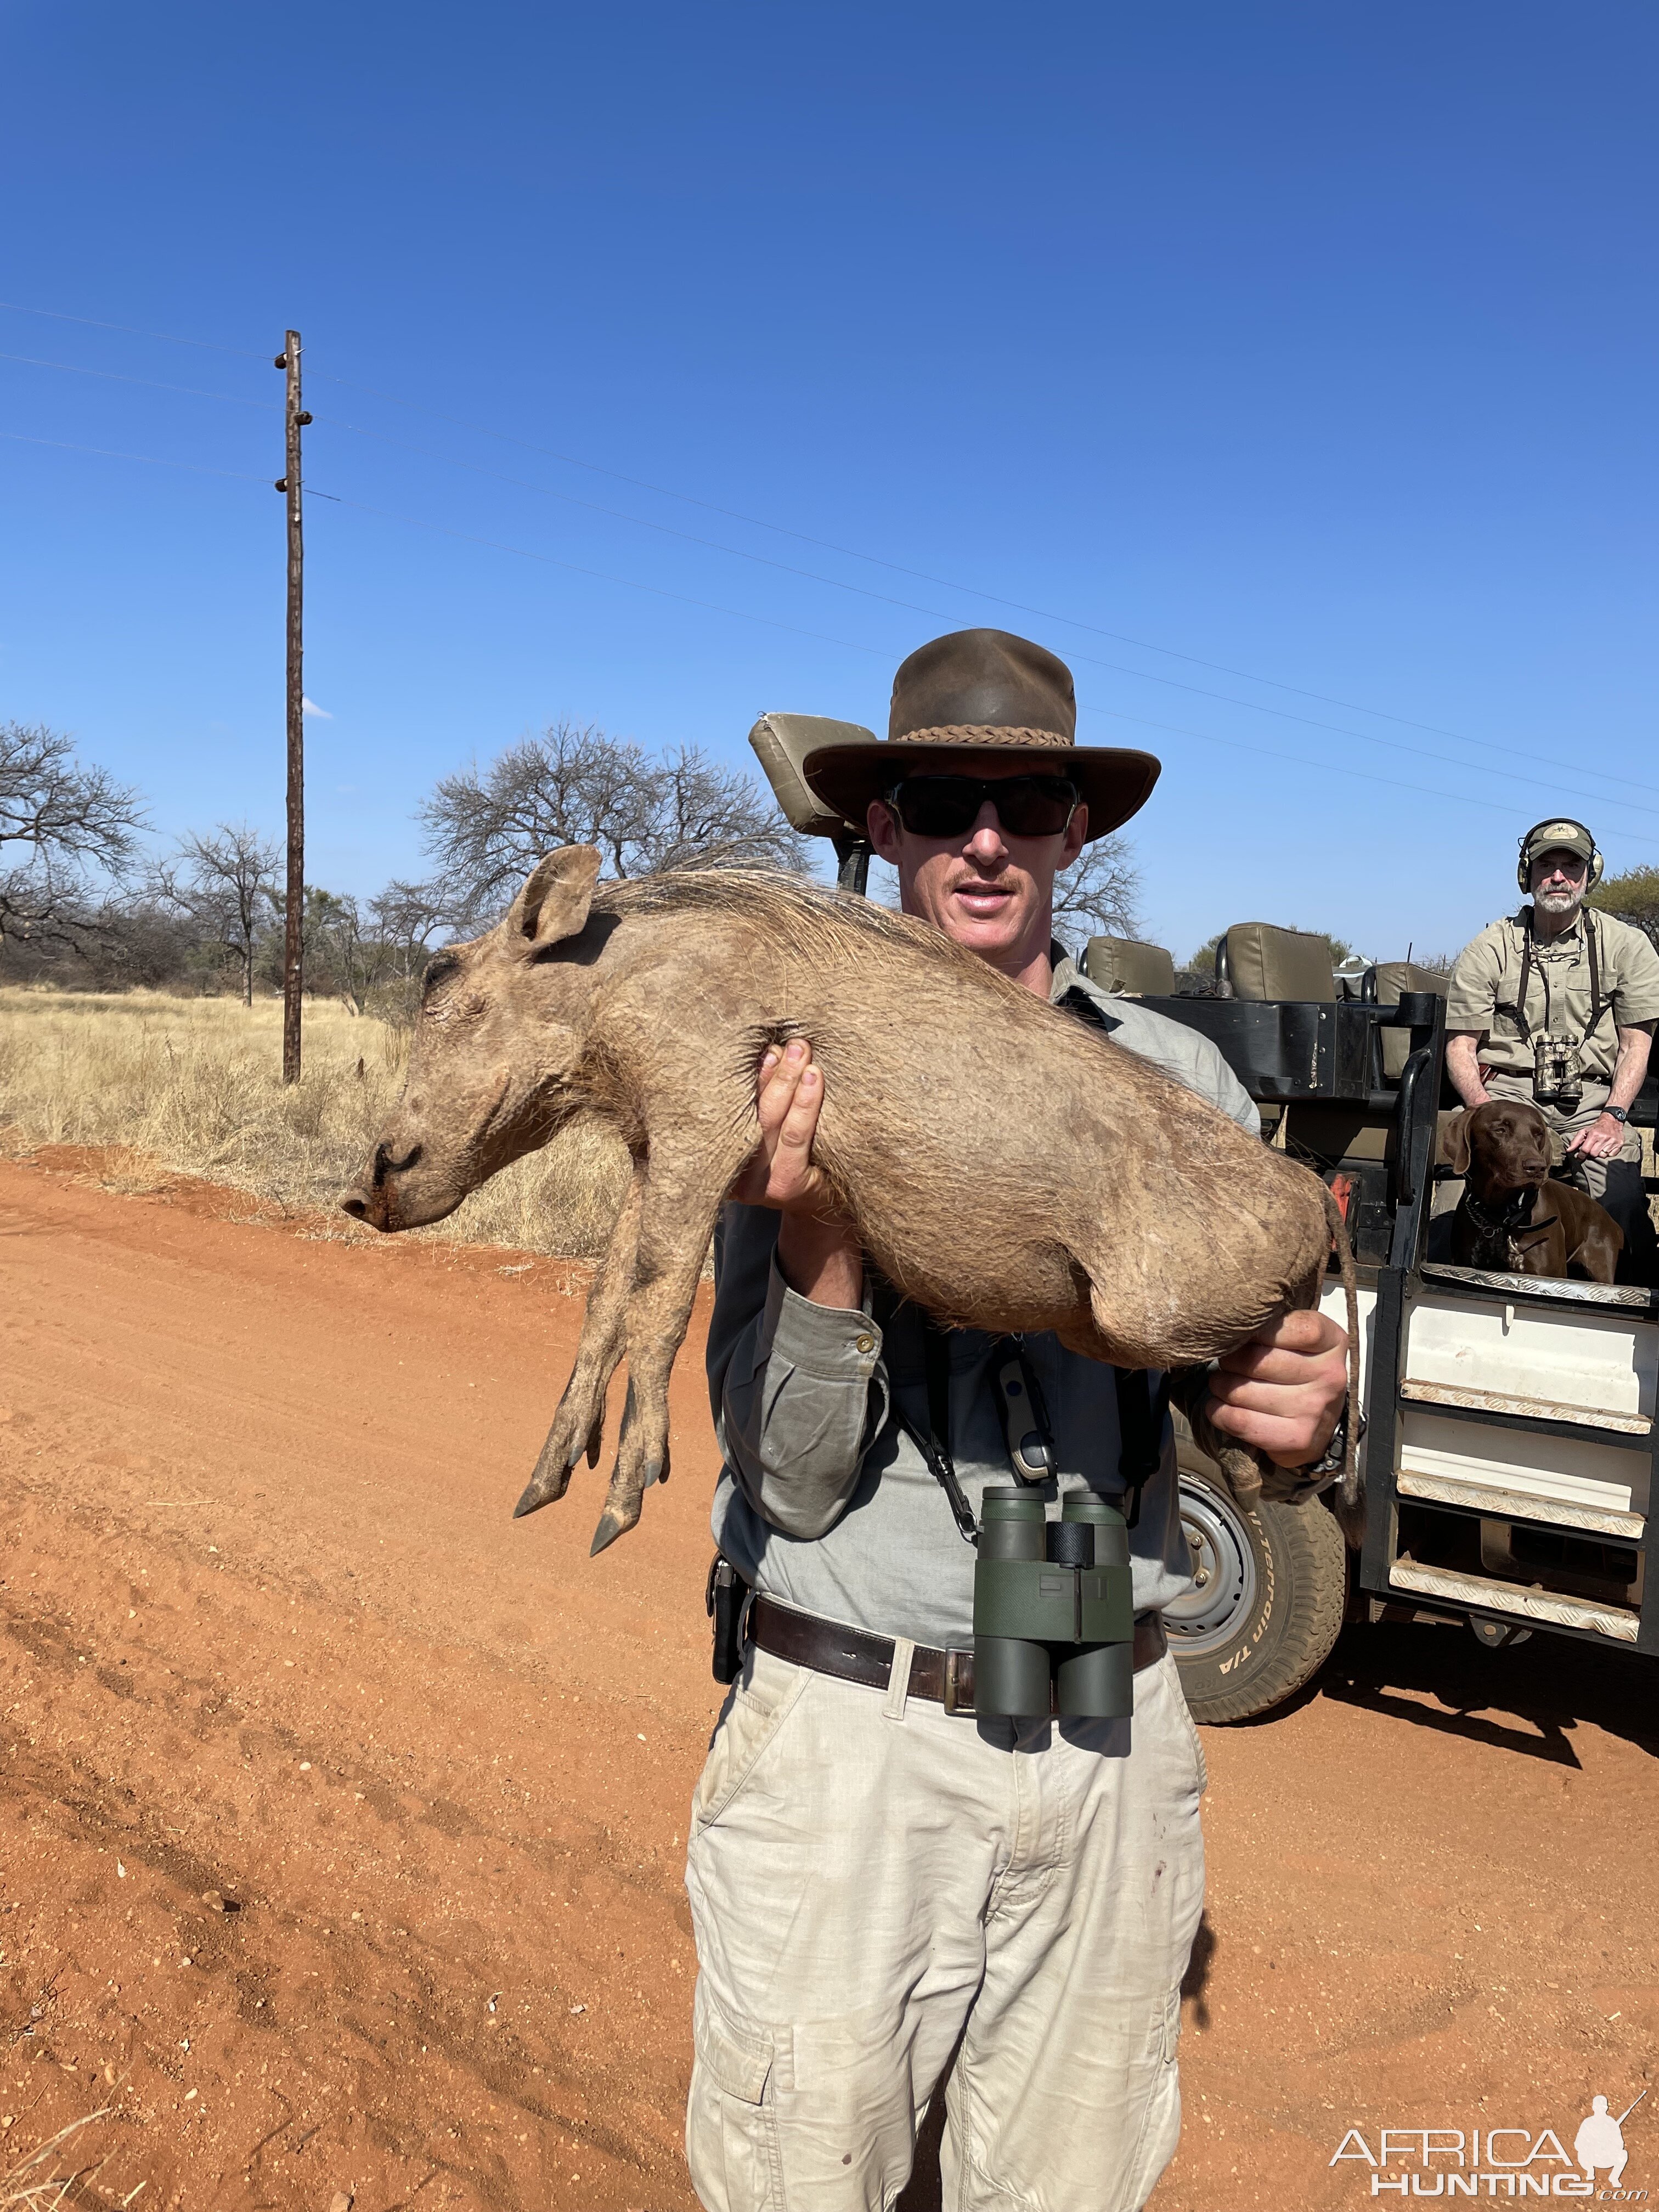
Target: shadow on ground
{"type": "Point", "coordinates": [1527, 1699]}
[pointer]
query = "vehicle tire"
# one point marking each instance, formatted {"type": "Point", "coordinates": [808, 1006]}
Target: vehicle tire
{"type": "Point", "coordinates": [1271, 1592]}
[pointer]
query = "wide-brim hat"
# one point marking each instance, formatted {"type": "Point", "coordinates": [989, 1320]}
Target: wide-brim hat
{"type": "Point", "coordinates": [982, 690]}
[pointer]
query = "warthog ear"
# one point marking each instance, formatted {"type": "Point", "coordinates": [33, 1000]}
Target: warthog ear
{"type": "Point", "coordinates": [557, 896]}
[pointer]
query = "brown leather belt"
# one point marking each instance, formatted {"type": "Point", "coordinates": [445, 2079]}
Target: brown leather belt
{"type": "Point", "coordinates": [854, 1655]}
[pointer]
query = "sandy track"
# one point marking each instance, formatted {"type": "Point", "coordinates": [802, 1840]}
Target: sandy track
{"type": "Point", "coordinates": [270, 1634]}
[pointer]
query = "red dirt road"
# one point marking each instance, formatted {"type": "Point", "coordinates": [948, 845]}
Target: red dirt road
{"type": "Point", "coordinates": [271, 1639]}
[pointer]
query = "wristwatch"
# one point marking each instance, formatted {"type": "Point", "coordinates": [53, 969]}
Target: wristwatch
{"type": "Point", "coordinates": [1335, 1454]}
{"type": "Point", "coordinates": [1618, 1113]}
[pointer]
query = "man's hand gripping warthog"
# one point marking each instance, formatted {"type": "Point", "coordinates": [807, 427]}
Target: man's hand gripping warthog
{"type": "Point", "coordinates": [1148, 1230]}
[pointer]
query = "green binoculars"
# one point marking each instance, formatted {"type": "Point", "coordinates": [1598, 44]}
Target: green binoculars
{"type": "Point", "coordinates": [1054, 1612]}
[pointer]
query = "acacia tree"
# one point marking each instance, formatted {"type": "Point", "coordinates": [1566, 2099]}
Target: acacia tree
{"type": "Point", "coordinates": [1101, 888]}
{"type": "Point", "coordinates": [225, 883]}
{"type": "Point", "coordinates": [1634, 897]}
{"type": "Point", "coordinates": [344, 951]}
{"type": "Point", "coordinates": [61, 824]}
{"type": "Point", "coordinates": [576, 785]}
{"type": "Point", "coordinates": [406, 918]}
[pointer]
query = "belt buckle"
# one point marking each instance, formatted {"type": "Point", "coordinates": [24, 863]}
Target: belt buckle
{"type": "Point", "coordinates": [954, 1653]}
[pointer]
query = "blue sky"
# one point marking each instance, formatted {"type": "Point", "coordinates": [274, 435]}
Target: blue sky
{"type": "Point", "coordinates": [1314, 344]}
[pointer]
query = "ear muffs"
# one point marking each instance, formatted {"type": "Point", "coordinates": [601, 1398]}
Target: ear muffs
{"type": "Point", "coordinates": [1523, 865]}
{"type": "Point", "coordinates": [1455, 1141]}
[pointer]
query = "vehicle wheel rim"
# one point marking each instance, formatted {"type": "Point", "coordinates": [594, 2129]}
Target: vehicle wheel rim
{"type": "Point", "coordinates": [1224, 1573]}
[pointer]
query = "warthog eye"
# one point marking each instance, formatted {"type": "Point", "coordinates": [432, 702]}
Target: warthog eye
{"type": "Point", "coordinates": [439, 970]}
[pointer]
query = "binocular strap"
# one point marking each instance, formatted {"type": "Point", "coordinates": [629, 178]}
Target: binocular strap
{"type": "Point", "coordinates": [1598, 1007]}
{"type": "Point", "coordinates": [1141, 1414]}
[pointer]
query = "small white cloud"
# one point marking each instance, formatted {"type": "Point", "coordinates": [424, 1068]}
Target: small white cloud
{"type": "Point", "coordinates": [310, 708]}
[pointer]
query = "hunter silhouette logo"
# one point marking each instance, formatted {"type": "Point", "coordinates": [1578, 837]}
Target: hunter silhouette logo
{"type": "Point", "coordinates": [1600, 2140]}
{"type": "Point", "coordinates": [1506, 2161]}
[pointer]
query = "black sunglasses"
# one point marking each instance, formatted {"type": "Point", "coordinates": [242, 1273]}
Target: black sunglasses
{"type": "Point", "coordinates": [947, 805]}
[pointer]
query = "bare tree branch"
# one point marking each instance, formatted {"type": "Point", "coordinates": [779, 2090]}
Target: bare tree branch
{"type": "Point", "coordinates": [68, 820]}
{"type": "Point", "coordinates": [226, 885]}
{"type": "Point", "coordinates": [576, 785]}
{"type": "Point", "coordinates": [407, 917]}
{"type": "Point", "coordinates": [1100, 889]}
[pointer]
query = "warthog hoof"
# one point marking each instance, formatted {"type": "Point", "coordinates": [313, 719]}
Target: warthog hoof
{"type": "Point", "coordinates": [554, 1467]}
{"type": "Point", "coordinates": [624, 1499]}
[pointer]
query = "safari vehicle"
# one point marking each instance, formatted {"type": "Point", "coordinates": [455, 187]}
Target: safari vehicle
{"type": "Point", "coordinates": [1507, 1454]}
{"type": "Point", "coordinates": [1507, 1457]}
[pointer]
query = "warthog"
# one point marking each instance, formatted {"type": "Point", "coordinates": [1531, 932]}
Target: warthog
{"type": "Point", "coordinates": [1008, 1168]}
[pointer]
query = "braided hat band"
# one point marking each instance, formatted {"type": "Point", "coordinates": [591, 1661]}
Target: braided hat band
{"type": "Point", "coordinates": [997, 734]}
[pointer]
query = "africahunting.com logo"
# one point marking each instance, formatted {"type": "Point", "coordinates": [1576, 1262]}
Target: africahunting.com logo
{"type": "Point", "coordinates": [1496, 2161]}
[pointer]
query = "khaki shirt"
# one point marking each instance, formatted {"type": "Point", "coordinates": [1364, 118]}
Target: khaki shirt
{"type": "Point", "coordinates": [1488, 974]}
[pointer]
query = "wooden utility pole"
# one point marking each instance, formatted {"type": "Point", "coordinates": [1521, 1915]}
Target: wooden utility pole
{"type": "Point", "coordinates": [294, 945]}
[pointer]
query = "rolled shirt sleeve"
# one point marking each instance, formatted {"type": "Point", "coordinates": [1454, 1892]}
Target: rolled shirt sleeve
{"type": "Point", "coordinates": [797, 1390]}
{"type": "Point", "coordinates": [1472, 998]}
{"type": "Point", "coordinates": [1636, 993]}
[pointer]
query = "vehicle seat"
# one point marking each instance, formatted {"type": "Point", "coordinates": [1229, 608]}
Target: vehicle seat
{"type": "Point", "coordinates": [1394, 976]}
{"type": "Point", "coordinates": [1124, 965]}
{"type": "Point", "coordinates": [1391, 977]}
{"type": "Point", "coordinates": [1261, 962]}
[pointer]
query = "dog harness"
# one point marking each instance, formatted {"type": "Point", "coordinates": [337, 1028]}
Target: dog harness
{"type": "Point", "coordinates": [1503, 1224]}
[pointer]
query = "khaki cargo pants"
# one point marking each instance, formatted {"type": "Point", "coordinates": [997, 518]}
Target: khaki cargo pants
{"type": "Point", "coordinates": [877, 1885]}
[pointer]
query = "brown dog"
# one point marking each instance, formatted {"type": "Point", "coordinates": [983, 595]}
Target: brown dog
{"type": "Point", "coordinates": [1512, 1218]}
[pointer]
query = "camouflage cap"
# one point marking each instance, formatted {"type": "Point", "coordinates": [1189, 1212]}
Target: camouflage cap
{"type": "Point", "coordinates": [1563, 837]}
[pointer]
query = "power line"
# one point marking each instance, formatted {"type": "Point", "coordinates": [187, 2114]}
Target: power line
{"type": "Point", "coordinates": [937, 614]}
{"type": "Point", "coordinates": [115, 376]}
{"type": "Point", "coordinates": [945, 583]}
{"type": "Point", "coordinates": [164, 338]}
{"type": "Point", "coordinates": [1322, 768]}
{"type": "Point", "coordinates": [150, 461]}
{"type": "Point", "coordinates": [575, 569]}
{"type": "Point", "coordinates": [1204, 736]}
{"type": "Point", "coordinates": [797, 629]}
{"type": "Point", "coordinates": [1505, 750]}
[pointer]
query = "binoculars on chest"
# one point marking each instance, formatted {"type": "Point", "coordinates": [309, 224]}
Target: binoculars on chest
{"type": "Point", "coordinates": [1558, 1073]}
{"type": "Point", "coordinates": [1053, 1612]}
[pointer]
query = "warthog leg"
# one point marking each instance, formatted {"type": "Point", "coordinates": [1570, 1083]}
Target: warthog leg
{"type": "Point", "coordinates": [579, 1422]}
{"type": "Point", "coordinates": [678, 1208]}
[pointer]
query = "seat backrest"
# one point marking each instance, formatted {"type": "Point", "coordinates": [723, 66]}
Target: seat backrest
{"type": "Point", "coordinates": [1394, 976]}
{"type": "Point", "coordinates": [1262, 962]}
{"type": "Point", "coordinates": [1124, 965]}
{"type": "Point", "coordinates": [781, 743]}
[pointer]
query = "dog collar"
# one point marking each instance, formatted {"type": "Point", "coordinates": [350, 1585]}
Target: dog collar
{"type": "Point", "coordinates": [1511, 1216]}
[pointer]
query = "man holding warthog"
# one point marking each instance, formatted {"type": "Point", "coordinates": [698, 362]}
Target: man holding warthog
{"type": "Point", "coordinates": [888, 1887]}
{"type": "Point", "coordinates": [890, 1895]}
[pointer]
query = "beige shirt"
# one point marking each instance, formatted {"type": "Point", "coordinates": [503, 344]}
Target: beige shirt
{"type": "Point", "coordinates": [1488, 975]}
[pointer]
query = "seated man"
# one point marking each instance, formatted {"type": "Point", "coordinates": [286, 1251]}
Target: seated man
{"type": "Point", "coordinates": [1557, 1006]}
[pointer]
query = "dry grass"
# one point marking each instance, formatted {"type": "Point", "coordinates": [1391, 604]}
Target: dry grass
{"type": "Point", "coordinates": [194, 1085]}
{"type": "Point", "coordinates": [40, 2182]}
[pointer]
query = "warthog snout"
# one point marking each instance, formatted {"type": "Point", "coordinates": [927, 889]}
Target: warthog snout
{"type": "Point", "coordinates": [371, 1201]}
